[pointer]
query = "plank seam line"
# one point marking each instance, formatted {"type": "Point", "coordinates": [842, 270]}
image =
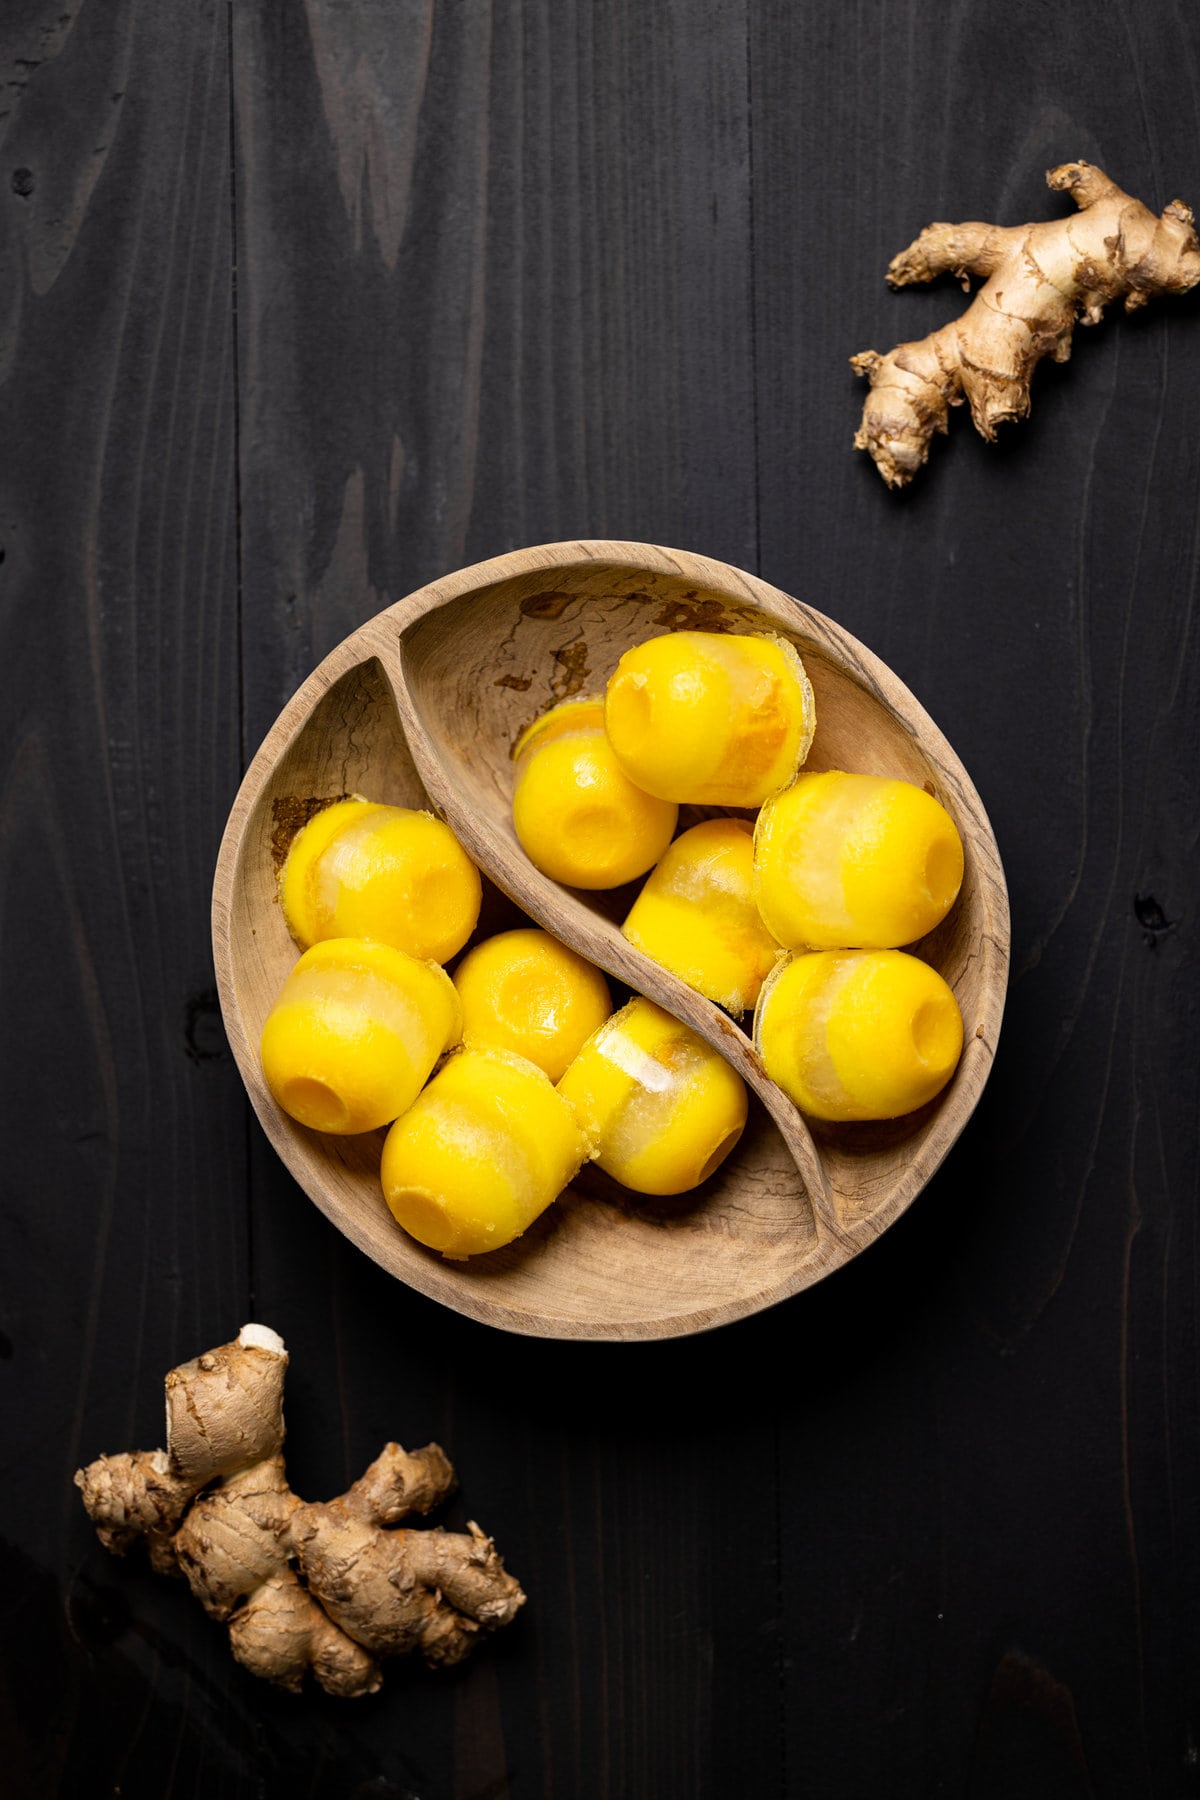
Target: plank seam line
{"type": "Point", "coordinates": [240, 646]}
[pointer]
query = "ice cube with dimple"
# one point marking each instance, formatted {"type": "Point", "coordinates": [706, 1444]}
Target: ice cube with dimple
{"type": "Point", "coordinates": [661, 1107]}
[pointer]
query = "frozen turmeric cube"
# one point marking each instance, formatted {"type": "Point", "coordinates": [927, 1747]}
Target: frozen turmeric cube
{"type": "Point", "coordinates": [709, 718]}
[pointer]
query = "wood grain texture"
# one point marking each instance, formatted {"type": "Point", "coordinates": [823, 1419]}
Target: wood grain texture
{"type": "Point", "coordinates": [1039, 596]}
{"type": "Point", "coordinates": [124, 1221]}
{"type": "Point", "coordinates": [509, 275]}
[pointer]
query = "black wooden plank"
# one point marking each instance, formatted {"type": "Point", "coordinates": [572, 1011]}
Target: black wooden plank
{"type": "Point", "coordinates": [537, 220]}
{"type": "Point", "coordinates": [123, 1216]}
{"type": "Point", "coordinates": [1001, 1588]}
{"type": "Point", "coordinates": [494, 286]}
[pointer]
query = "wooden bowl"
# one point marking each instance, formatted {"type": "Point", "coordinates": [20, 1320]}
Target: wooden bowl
{"type": "Point", "coordinates": [420, 707]}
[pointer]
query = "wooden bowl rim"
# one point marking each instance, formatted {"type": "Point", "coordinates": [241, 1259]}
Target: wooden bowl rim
{"type": "Point", "coordinates": [378, 638]}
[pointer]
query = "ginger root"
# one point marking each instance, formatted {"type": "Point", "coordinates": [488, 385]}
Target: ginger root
{"type": "Point", "coordinates": [329, 1587]}
{"type": "Point", "coordinates": [1038, 280]}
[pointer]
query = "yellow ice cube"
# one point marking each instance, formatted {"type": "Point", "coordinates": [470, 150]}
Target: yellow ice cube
{"type": "Point", "coordinates": [661, 1109]}
{"type": "Point", "coordinates": [401, 877]}
{"type": "Point", "coordinates": [524, 991]}
{"type": "Point", "coordinates": [858, 1034]}
{"type": "Point", "coordinates": [355, 1032]}
{"type": "Point", "coordinates": [709, 718]}
{"type": "Point", "coordinates": [697, 917]}
{"type": "Point", "coordinates": [485, 1149]}
{"type": "Point", "coordinates": [854, 861]}
{"type": "Point", "coordinates": [577, 815]}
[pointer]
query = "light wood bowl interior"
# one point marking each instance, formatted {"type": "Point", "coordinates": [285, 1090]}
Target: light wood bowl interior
{"type": "Point", "coordinates": [421, 707]}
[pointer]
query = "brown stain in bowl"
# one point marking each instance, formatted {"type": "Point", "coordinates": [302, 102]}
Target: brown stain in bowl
{"type": "Point", "coordinates": [550, 605]}
{"type": "Point", "coordinates": [572, 669]}
{"type": "Point", "coordinates": [290, 813]}
{"type": "Point", "coordinates": [691, 613]}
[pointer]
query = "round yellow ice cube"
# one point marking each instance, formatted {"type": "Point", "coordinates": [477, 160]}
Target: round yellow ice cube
{"type": "Point", "coordinates": [354, 1033]}
{"type": "Point", "coordinates": [661, 1109]}
{"type": "Point", "coordinates": [486, 1148]}
{"type": "Point", "coordinates": [854, 861]}
{"type": "Point", "coordinates": [858, 1034]}
{"type": "Point", "coordinates": [362, 869]}
{"type": "Point", "coordinates": [696, 914]}
{"type": "Point", "coordinates": [578, 816]}
{"type": "Point", "coordinates": [524, 991]}
{"type": "Point", "coordinates": [710, 719]}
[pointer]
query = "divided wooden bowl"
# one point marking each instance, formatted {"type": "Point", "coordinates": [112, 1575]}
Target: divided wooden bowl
{"type": "Point", "coordinates": [420, 707]}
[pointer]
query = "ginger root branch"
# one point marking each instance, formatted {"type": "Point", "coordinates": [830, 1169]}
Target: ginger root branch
{"type": "Point", "coordinates": [1038, 281]}
{"type": "Point", "coordinates": [330, 1587]}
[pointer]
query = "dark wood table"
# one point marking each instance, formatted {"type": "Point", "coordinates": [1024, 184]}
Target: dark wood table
{"type": "Point", "coordinates": [306, 304]}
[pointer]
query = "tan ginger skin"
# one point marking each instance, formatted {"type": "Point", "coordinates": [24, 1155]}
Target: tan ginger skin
{"type": "Point", "coordinates": [331, 1586]}
{"type": "Point", "coordinates": [1038, 280]}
